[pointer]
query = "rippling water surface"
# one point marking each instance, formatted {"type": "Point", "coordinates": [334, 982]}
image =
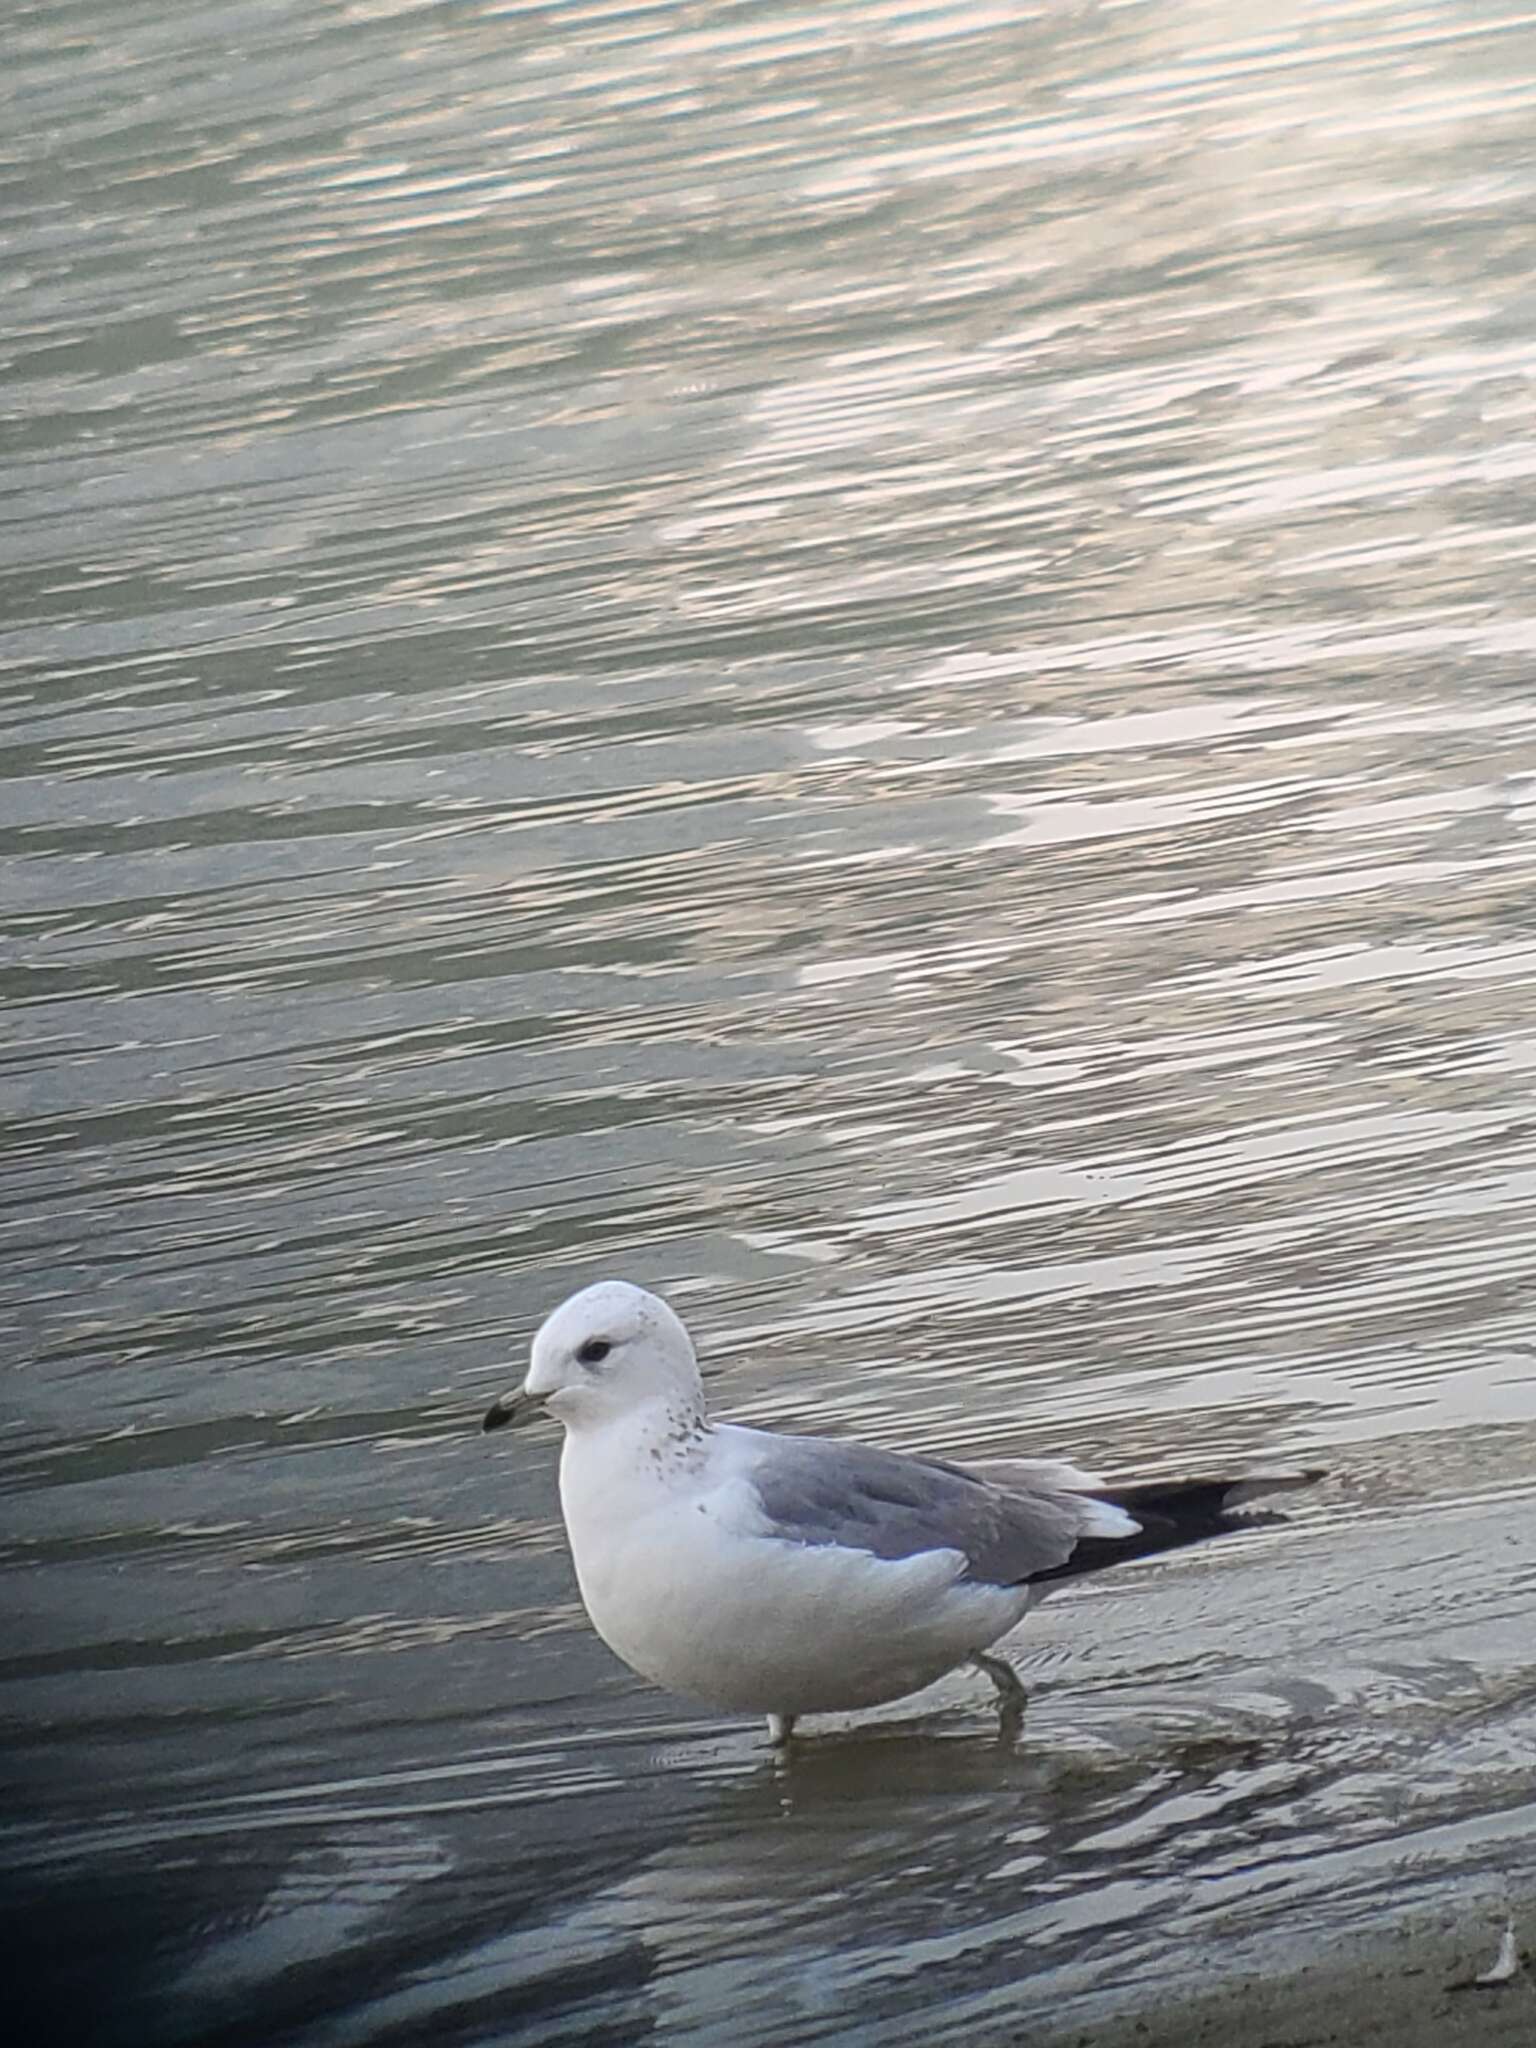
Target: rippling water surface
{"type": "Point", "coordinates": [870, 662]}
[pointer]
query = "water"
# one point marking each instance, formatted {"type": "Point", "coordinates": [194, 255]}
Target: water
{"type": "Point", "coordinates": [873, 664]}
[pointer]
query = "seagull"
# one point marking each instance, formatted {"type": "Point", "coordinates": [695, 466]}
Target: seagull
{"type": "Point", "coordinates": [788, 1575]}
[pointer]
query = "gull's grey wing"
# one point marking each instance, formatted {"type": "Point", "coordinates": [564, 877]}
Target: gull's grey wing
{"type": "Point", "coordinates": [1015, 1521]}
{"type": "Point", "coordinates": [815, 1490]}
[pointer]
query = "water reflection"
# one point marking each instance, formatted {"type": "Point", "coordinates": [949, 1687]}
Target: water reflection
{"type": "Point", "coordinates": [918, 1872]}
{"type": "Point", "coordinates": [872, 665]}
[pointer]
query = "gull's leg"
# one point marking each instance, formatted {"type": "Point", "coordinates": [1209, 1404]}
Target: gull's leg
{"type": "Point", "coordinates": [780, 1728]}
{"type": "Point", "coordinates": [1012, 1693]}
{"type": "Point", "coordinates": [1011, 1690]}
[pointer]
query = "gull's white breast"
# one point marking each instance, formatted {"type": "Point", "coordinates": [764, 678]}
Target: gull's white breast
{"type": "Point", "coordinates": [684, 1579]}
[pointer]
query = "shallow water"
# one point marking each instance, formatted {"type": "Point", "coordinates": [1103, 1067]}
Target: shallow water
{"type": "Point", "coordinates": [874, 665]}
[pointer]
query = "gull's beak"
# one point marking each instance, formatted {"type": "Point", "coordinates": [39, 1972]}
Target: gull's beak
{"type": "Point", "coordinates": [511, 1411]}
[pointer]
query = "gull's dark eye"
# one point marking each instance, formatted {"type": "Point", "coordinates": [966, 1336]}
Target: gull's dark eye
{"type": "Point", "coordinates": [594, 1351]}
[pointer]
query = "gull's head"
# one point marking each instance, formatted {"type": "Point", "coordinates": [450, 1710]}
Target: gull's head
{"type": "Point", "coordinates": [609, 1349]}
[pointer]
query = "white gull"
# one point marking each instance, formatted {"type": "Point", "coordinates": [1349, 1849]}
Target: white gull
{"type": "Point", "coordinates": [789, 1575]}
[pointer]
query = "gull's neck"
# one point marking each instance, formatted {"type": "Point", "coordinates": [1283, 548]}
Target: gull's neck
{"type": "Point", "coordinates": [672, 1422]}
{"type": "Point", "coordinates": [614, 1467]}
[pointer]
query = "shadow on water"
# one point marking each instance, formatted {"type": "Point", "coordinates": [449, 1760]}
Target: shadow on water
{"type": "Point", "coordinates": [1193, 1770]}
{"type": "Point", "coordinates": [376, 1929]}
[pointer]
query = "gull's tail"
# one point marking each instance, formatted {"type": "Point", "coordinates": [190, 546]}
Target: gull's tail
{"type": "Point", "coordinates": [1170, 1513]}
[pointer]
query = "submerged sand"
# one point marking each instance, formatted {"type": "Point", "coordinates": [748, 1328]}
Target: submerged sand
{"type": "Point", "coordinates": [1412, 1988]}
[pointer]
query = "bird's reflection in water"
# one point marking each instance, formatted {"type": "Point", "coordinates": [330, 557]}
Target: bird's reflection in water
{"type": "Point", "coordinates": [886, 1860]}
